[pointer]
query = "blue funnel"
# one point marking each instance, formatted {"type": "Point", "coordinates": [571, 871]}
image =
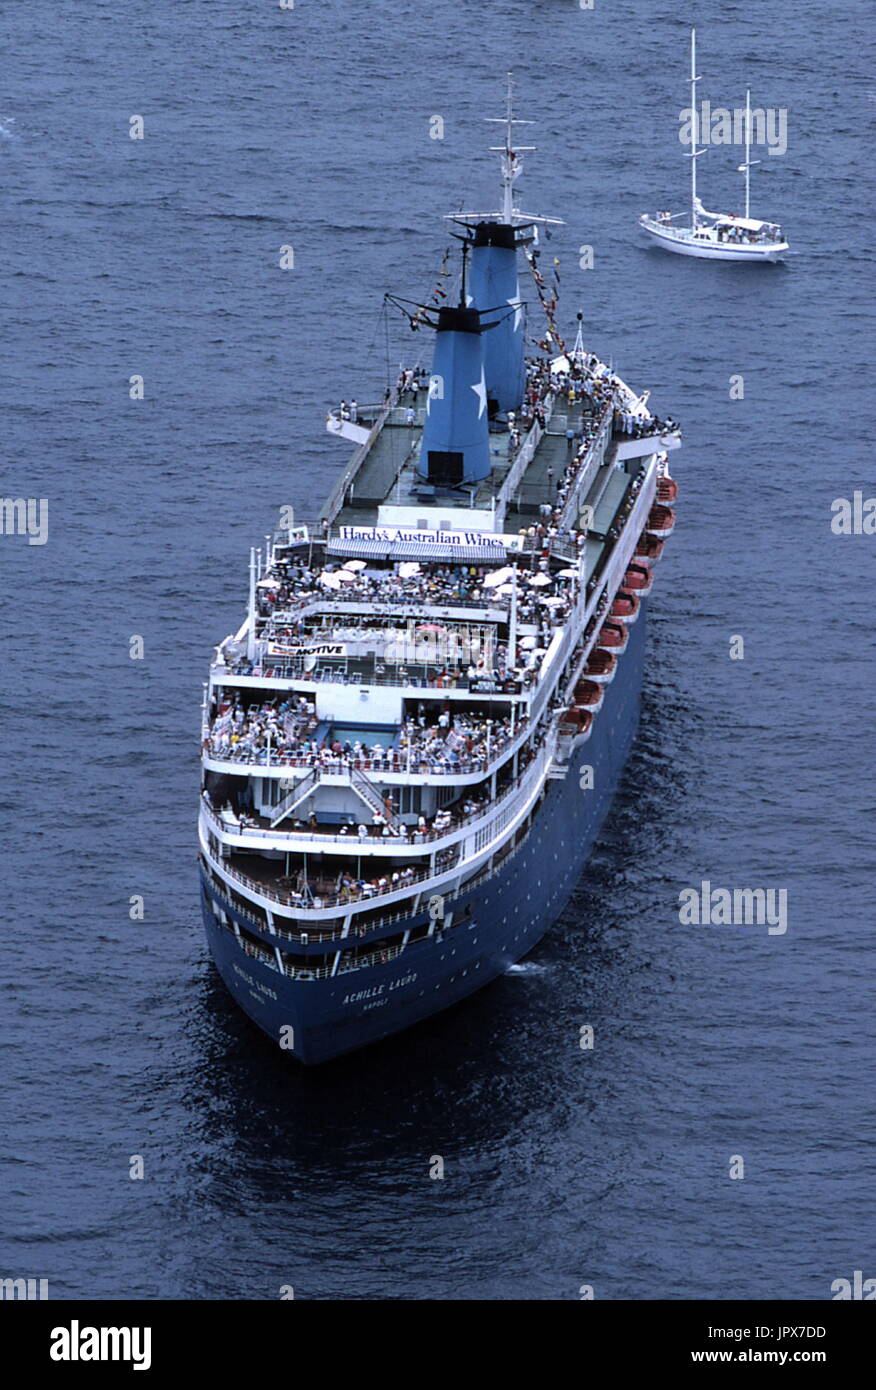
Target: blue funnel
{"type": "Point", "coordinates": [456, 442]}
{"type": "Point", "coordinates": [494, 285]}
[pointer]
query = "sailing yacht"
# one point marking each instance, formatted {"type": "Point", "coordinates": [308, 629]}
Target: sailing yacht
{"type": "Point", "coordinates": [716, 236]}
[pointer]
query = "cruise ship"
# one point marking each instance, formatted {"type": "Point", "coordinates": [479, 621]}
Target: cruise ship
{"type": "Point", "coordinates": [411, 742]}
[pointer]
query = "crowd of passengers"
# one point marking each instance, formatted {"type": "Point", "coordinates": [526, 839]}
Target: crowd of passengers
{"type": "Point", "coordinates": [296, 585]}
{"type": "Point", "coordinates": [349, 886]}
{"type": "Point", "coordinates": [452, 742]}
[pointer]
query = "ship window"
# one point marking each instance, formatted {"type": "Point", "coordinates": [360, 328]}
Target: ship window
{"type": "Point", "coordinates": [409, 801]}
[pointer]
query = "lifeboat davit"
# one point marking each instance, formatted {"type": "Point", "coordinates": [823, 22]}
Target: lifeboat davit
{"type": "Point", "coordinates": [601, 666]}
{"type": "Point", "coordinates": [661, 521]}
{"type": "Point", "coordinates": [625, 607]}
{"type": "Point", "coordinates": [640, 578]}
{"type": "Point", "coordinates": [613, 634]}
{"type": "Point", "coordinates": [667, 489]}
{"type": "Point", "coordinates": [649, 549]}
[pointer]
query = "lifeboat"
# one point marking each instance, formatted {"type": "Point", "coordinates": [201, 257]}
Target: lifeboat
{"type": "Point", "coordinates": [639, 578]}
{"type": "Point", "coordinates": [667, 489]}
{"type": "Point", "coordinates": [586, 721]}
{"type": "Point", "coordinates": [613, 634]}
{"type": "Point", "coordinates": [601, 666]}
{"type": "Point", "coordinates": [649, 549]}
{"type": "Point", "coordinates": [625, 607]}
{"type": "Point", "coordinates": [661, 521]}
{"type": "Point", "coordinates": [575, 721]}
{"type": "Point", "coordinates": [589, 695]}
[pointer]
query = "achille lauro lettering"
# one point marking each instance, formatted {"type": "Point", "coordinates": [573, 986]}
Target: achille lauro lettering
{"type": "Point", "coordinates": [361, 995]}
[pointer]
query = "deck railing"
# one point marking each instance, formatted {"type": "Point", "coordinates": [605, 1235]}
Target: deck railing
{"type": "Point", "coordinates": [393, 844]}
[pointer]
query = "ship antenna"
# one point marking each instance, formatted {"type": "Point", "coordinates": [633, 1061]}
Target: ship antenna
{"type": "Point", "coordinates": [512, 166]}
{"type": "Point", "coordinates": [463, 286]}
{"type": "Point", "coordinates": [510, 163]}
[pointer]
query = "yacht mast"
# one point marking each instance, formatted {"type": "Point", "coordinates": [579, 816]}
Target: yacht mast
{"type": "Point", "coordinates": [694, 131]}
{"type": "Point", "coordinates": [749, 164]}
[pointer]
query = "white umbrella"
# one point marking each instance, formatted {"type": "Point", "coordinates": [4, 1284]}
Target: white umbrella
{"type": "Point", "coordinates": [490, 581]}
{"type": "Point", "coordinates": [527, 643]}
{"type": "Point", "coordinates": [538, 581]}
{"type": "Point", "coordinates": [329, 579]}
{"type": "Point", "coordinates": [353, 565]}
{"type": "Point", "coordinates": [344, 576]}
{"type": "Point", "coordinates": [505, 590]}
{"type": "Point", "coordinates": [553, 602]}
{"type": "Point", "coordinates": [409, 569]}
{"type": "Point", "coordinates": [567, 574]}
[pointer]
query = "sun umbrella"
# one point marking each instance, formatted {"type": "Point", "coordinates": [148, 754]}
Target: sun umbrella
{"type": "Point", "coordinates": [409, 569]}
{"type": "Point", "coordinates": [552, 602]}
{"type": "Point", "coordinates": [567, 574]}
{"type": "Point", "coordinates": [538, 581]}
{"type": "Point", "coordinates": [505, 590]}
{"type": "Point", "coordinates": [329, 579]}
{"type": "Point", "coordinates": [490, 581]}
{"type": "Point", "coordinates": [344, 576]}
{"type": "Point", "coordinates": [354, 565]}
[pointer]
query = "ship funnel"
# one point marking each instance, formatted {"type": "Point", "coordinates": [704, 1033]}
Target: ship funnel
{"type": "Point", "coordinates": [456, 445]}
{"type": "Point", "coordinates": [494, 282]}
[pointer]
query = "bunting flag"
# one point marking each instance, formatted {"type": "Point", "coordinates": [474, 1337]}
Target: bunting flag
{"type": "Point", "coordinates": [437, 296]}
{"type": "Point", "coordinates": [549, 304]}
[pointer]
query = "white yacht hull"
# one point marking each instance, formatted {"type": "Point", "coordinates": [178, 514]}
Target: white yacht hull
{"type": "Point", "coordinates": [715, 251]}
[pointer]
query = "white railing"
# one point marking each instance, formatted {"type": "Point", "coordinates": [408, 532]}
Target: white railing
{"type": "Point", "coordinates": [524, 457]}
{"type": "Point", "coordinates": [591, 461]}
{"type": "Point", "coordinates": [423, 842]}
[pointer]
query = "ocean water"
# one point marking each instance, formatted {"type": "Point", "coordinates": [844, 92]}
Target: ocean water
{"type": "Point", "coordinates": [159, 258]}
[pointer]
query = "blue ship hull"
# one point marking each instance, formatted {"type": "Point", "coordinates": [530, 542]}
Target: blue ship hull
{"type": "Point", "coordinates": [510, 911]}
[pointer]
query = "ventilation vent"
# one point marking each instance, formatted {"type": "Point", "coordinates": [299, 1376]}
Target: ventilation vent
{"type": "Point", "coordinates": [445, 467]}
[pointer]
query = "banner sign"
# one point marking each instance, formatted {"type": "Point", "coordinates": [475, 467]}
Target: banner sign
{"type": "Point", "coordinates": [458, 540]}
{"type": "Point", "coordinates": [484, 685]}
{"type": "Point", "coordinates": [315, 649]}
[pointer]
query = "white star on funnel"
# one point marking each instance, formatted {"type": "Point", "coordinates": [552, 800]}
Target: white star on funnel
{"type": "Point", "coordinates": [480, 390]}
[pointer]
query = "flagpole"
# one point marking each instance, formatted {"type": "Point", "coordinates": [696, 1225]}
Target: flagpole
{"type": "Point", "coordinates": [251, 635]}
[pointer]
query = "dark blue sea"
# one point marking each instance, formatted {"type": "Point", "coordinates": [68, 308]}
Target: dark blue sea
{"type": "Point", "coordinates": [160, 258]}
